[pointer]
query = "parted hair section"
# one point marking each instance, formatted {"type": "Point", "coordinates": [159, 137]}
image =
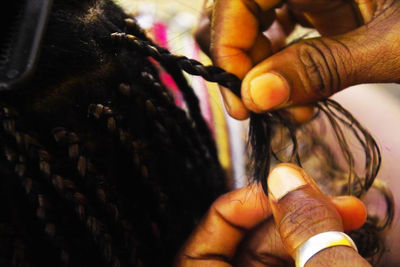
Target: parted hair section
{"type": "Point", "coordinates": [99, 167]}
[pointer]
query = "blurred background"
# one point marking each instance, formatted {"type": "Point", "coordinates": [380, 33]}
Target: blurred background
{"type": "Point", "coordinates": [376, 106]}
{"type": "Point", "coordinates": [171, 24]}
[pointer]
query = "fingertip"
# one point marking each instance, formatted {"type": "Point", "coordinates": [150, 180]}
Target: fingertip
{"type": "Point", "coordinates": [300, 114]}
{"type": "Point", "coordinates": [352, 210]}
{"type": "Point", "coordinates": [283, 179]}
{"type": "Point", "coordinates": [240, 114]}
{"type": "Point", "coordinates": [297, 204]}
{"type": "Point", "coordinates": [265, 91]}
{"type": "Point", "coordinates": [234, 105]}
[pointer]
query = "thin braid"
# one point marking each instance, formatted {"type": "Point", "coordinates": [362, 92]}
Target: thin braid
{"type": "Point", "coordinates": [261, 126]}
{"type": "Point", "coordinates": [94, 181]}
{"type": "Point", "coordinates": [164, 106]}
{"type": "Point", "coordinates": [68, 190]}
{"type": "Point", "coordinates": [127, 141]}
{"type": "Point", "coordinates": [39, 202]}
{"type": "Point", "coordinates": [125, 134]}
{"type": "Point", "coordinates": [37, 197]}
{"type": "Point", "coordinates": [153, 83]}
{"type": "Point", "coordinates": [132, 146]}
{"type": "Point", "coordinates": [164, 133]}
{"type": "Point", "coordinates": [135, 149]}
{"type": "Point", "coordinates": [146, 46]}
{"type": "Point", "coordinates": [173, 64]}
{"type": "Point", "coordinates": [87, 173]}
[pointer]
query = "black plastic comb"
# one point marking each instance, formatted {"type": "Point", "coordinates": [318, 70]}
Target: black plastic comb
{"type": "Point", "coordinates": [22, 29]}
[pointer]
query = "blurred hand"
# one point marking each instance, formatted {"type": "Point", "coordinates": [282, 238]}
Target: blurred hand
{"type": "Point", "coordinates": [245, 228]}
{"type": "Point", "coordinates": [360, 44]}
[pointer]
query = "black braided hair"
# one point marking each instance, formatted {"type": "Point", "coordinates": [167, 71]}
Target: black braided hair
{"type": "Point", "coordinates": [265, 127]}
{"type": "Point", "coordinates": [103, 169]}
{"type": "Point", "coordinates": [262, 125]}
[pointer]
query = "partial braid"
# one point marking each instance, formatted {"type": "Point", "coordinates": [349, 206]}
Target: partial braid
{"type": "Point", "coordinates": [65, 187]}
{"type": "Point", "coordinates": [33, 188]}
{"type": "Point", "coordinates": [263, 126]}
{"type": "Point", "coordinates": [107, 143]}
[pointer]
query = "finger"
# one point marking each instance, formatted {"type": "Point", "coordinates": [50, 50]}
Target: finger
{"type": "Point", "coordinates": [262, 247]}
{"type": "Point", "coordinates": [299, 114]}
{"type": "Point", "coordinates": [215, 240]}
{"type": "Point", "coordinates": [233, 104]}
{"type": "Point", "coordinates": [314, 69]}
{"type": "Point", "coordinates": [237, 43]}
{"type": "Point", "coordinates": [300, 209]}
{"type": "Point", "coordinates": [352, 211]}
{"type": "Point", "coordinates": [329, 17]}
{"type": "Point", "coordinates": [236, 28]}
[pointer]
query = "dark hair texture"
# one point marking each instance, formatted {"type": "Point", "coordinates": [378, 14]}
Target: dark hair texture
{"type": "Point", "coordinates": [266, 127]}
{"type": "Point", "coordinates": [101, 168]}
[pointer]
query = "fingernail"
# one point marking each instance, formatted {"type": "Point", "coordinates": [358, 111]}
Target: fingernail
{"type": "Point", "coordinates": [233, 104]}
{"type": "Point", "coordinates": [227, 100]}
{"type": "Point", "coordinates": [269, 90]}
{"type": "Point", "coordinates": [283, 180]}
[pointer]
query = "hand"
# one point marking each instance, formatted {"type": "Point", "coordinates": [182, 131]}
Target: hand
{"type": "Point", "coordinates": [239, 229]}
{"type": "Point", "coordinates": [360, 44]}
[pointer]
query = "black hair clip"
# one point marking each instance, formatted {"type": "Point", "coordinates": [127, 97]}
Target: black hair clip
{"type": "Point", "coordinates": [20, 40]}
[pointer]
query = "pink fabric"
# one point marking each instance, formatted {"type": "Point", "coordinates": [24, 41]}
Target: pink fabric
{"type": "Point", "coordinates": [159, 32]}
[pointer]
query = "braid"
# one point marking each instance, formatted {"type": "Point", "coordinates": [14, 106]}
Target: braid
{"type": "Point", "coordinates": [174, 65]}
{"type": "Point", "coordinates": [191, 66]}
{"type": "Point", "coordinates": [130, 173]}
{"type": "Point", "coordinates": [34, 189]}
{"type": "Point", "coordinates": [114, 171]}
{"type": "Point", "coordinates": [263, 127]}
{"type": "Point", "coordinates": [86, 172]}
{"type": "Point", "coordinates": [66, 188]}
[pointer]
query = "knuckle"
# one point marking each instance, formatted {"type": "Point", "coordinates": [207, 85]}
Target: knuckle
{"type": "Point", "coordinates": [323, 66]}
{"type": "Point", "coordinates": [307, 218]}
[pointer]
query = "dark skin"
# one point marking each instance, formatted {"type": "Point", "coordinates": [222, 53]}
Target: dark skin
{"type": "Point", "coordinates": [247, 228]}
{"type": "Point", "coordinates": [359, 43]}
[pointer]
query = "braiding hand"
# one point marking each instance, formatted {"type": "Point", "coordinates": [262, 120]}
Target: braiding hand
{"type": "Point", "coordinates": [245, 228]}
{"type": "Point", "coordinates": [360, 43]}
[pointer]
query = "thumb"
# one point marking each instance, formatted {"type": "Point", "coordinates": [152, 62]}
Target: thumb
{"type": "Point", "coordinates": [316, 68]}
{"type": "Point", "coordinates": [300, 209]}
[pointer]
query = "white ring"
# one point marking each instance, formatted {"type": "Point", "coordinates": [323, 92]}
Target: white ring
{"type": "Point", "coordinates": [319, 242]}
